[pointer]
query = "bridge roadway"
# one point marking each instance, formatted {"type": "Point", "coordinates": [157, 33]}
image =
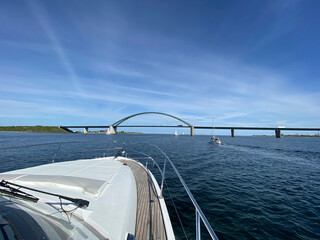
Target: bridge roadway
{"type": "Point", "coordinates": [276, 129]}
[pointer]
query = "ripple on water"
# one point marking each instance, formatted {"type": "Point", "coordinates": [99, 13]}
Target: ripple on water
{"type": "Point", "coordinates": [249, 187]}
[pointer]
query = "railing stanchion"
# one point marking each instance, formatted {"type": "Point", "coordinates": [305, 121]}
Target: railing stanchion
{"type": "Point", "coordinates": [198, 226]}
{"type": "Point", "coordinates": [163, 174]}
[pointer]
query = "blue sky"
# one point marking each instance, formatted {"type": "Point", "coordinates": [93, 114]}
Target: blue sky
{"type": "Point", "coordinates": [247, 63]}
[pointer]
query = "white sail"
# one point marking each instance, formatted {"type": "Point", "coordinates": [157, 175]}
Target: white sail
{"type": "Point", "coordinates": [215, 139]}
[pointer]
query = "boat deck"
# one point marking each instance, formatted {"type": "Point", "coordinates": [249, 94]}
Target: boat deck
{"type": "Point", "coordinates": [149, 222]}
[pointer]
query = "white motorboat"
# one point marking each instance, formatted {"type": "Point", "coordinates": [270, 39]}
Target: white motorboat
{"type": "Point", "coordinates": [102, 198]}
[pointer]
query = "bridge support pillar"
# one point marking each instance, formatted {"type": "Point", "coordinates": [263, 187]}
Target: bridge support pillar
{"type": "Point", "coordinates": [192, 131]}
{"type": "Point", "coordinates": [232, 132]}
{"type": "Point", "coordinates": [112, 130]}
{"type": "Point", "coordinates": [278, 133]}
{"type": "Point", "coordinates": [85, 130]}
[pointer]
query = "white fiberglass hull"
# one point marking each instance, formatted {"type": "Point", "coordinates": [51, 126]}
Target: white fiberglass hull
{"type": "Point", "coordinates": [108, 185]}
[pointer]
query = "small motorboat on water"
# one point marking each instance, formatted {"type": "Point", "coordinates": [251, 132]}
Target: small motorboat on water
{"type": "Point", "coordinates": [98, 198]}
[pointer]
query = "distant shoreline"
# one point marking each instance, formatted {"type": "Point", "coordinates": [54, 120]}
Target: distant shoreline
{"type": "Point", "coordinates": [104, 132]}
{"type": "Point", "coordinates": [49, 129]}
{"type": "Point", "coordinates": [293, 135]}
{"type": "Point", "coordinates": [32, 129]}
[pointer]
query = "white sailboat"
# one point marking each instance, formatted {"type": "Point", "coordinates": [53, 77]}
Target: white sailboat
{"type": "Point", "coordinates": [214, 139]}
{"type": "Point", "coordinates": [176, 133]}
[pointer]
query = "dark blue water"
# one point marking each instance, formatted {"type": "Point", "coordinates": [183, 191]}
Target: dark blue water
{"type": "Point", "coordinates": [249, 187]}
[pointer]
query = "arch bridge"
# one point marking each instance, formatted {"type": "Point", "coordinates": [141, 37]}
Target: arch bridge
{"type": "Point", "coordinates": [113, 127]}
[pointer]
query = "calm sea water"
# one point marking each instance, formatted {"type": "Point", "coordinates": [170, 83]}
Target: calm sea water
{"type": "Point", "coordinates": [249, 187]}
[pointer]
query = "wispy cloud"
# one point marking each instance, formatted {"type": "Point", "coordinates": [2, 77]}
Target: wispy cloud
{"type": "Point", "coordinates": [213, 97]}
{"type": "Point", "coordinates": [41, 14]}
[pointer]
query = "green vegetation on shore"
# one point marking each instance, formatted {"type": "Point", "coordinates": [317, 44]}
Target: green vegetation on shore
{"type": "Point", "coordinates": [37, 129]}
{"type": "Point", "coordinates": [302, 135]}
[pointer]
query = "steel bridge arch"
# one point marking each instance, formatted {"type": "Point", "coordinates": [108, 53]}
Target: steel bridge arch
{"type": "Point", "coordinates": [137, 114]}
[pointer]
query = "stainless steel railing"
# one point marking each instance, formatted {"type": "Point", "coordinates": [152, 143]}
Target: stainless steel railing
{"type": "Point", "coordinates": [199, 213]}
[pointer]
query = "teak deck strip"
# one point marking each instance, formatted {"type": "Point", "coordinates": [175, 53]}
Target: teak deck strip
{"type": "Point", "coordinates": [149, 222]}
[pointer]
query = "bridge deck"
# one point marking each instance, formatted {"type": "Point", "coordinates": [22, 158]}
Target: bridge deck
{"type": "Point", "coordinates": [149, 223]}
{"type": "Point", "coordinates": [205, 127]}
